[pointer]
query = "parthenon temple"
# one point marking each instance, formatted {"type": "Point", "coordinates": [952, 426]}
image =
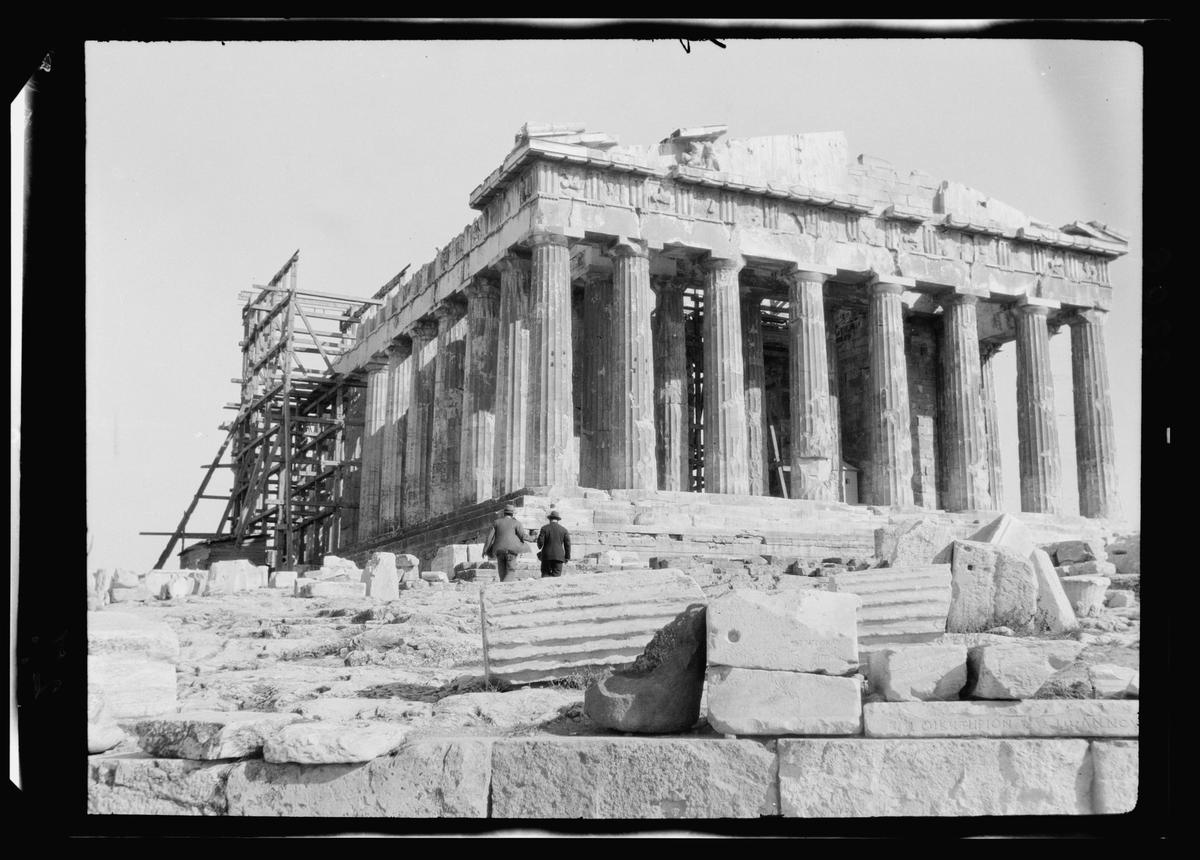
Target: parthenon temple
{"type": "Point", "coordinates": [767, 316]}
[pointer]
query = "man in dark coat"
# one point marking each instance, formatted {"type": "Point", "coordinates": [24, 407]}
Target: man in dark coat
{"type": "Point", "coordinates": [505, 541]}
{"type": "Point", "coordinates": [554, 541]}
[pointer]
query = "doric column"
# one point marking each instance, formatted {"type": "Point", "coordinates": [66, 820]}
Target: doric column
{"type": "Point", "coordinates": [670, 386]}
{"type": "Point", "coordinates": [726, 467]}
{"type": "Point", "coordinates": [756, 394]}
{"type": "Point", "coordinates": [991, 420]}
{"type": "Point", "coordinates": [479, 391]}
{"type": "Point", "coordinates": [550, 458]}
{"type": "Point", "coordinates": [835, 418]}
{"type": "Point", "coordinates": [814, 475]}
{"type": "Point", "coordinates": [1095, 447]}
{"type": "Point", "coordinates": [596, 380]}
{"type": "Point", "coordinates": [631, 410]}
{"type": "Point", "coordinates": [1041, 472]}
{"type": "Point", "coordinates": [372, 448]}
{"type": "Point", "coordinates": [399, 383]}
{"type": "Point", "coordinates": [512, 381]}
{"type": "Point", "coordinates": [355, 406]}
{"type": "Point", "coordinates": [887, 402]}
{"type": "Point", "coordinates": [420, 411]}
{"type": "Point", "coordinates": [446, 435]}
{"type": "Point", "coordinates": [965, 443]}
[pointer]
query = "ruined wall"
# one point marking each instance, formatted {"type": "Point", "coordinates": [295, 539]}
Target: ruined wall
{"type": "Point", "coordinates": [921, 335]}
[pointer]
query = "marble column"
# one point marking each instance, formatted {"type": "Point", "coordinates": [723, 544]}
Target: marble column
{"type": "Point", "coordinates": [835, 418]}
{"type": "Point", "coordinates": [1037, 432]}
{"type": "Point", "coordinates": [446, 435]}
{"type": "Point", "coordinates": [967, 485]}
{"type": "Point", "coordinates": [813, 472]}
{"type": "Point", "coordinates": [352, 473]}
{"type": "Point", "coordinates": [512, 381]}
{"type": "Point", "coordinates": [1095, 446]}
{"type": "Point", "coordinates": [991, 419]}
{"type": "Point", "coordinates": [479, 391]}
{"type": "Point", "coordinates": [756, 394]}
{"type": "Point", "coordinates": [670, 387]}
{"type": "Point", "coordinates": [551, 459]}
{"type": "Point", "coordinates": [596, 379]}
{"type": "Point", "coordinates": [888, 418]}
{"type": "Point", "coordinates": [372, 448]}
{"type": "Point", "coordinates": [420, 410]}
{"type": "Point", "coordinates": [631, 410]}
{"type": "Point", "coordinates": [726, 466]}
{"type": "Point", "coordinates": [399, 383]}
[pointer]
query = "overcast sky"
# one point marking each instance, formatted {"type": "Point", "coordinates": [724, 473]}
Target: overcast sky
{"type": "Point", "coordinates": [208, 164]}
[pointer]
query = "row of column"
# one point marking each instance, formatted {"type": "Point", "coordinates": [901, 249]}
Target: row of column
{"type": "Point", "coordinates": [478, 402]}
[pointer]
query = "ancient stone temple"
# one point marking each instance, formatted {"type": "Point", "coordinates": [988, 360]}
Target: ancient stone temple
{"type": "Point", "coordinates": [759, 317]}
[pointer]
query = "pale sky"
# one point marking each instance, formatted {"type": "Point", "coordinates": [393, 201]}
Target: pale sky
{"type": "Point", "coordinates": [209, 164]}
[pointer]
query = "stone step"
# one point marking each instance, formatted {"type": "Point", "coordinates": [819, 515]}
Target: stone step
{"type": "Point", "coordinates": [888, 612]}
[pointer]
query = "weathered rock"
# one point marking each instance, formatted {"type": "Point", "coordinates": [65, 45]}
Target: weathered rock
{"type": "Point", "coordinates": [550, 628]}
{"type": "Point", "coordinates": [125, 579]}
{"type": "Point", "coordinates": [1009, 532]}
{"type": "Point", "coordinates": [439, 778]}
{"type": "Point", "coordinates": [381, 577]}
{"type": "Point", "coordinates": [990, 587]}
{"type": "Point", "coordinates": [926, 672]}
{"type": "Point", "coordinates": [915, 544]}
{"type": "Point", "coordinates": [825, 778]}
{"type": "Point", "coordinates": [176, 588]}
{"type": "Point", "coordinates": [407, 562]}
{"type": "Point", "coordinates": [797, 631]}
{"type": "Point", "coordinates": [1016, 670]}
{"type": "Point", "coordinates": [514, 709]}
{"type": "Point", "coordinates": [338, 709]}
{"type": "Point", "coordinates": [1041, 718]}
{"type": "Point", "coordinates": [660, 693]}
{"type": "Point", "coordinates": [136, 784]}
{"type": "Point", "coordinates": [101, 737]}
{"type": "Point", "coordinates": [264, 576]}
{"type": "Point", "coordinates": [765, 702]}
{"type": "Point", "coordinates": [132, 685]}
{"type": "Point", "coordinates": [284, 579]}
{"type": "Point", "coordinates": [1115, 776]}
{"type": "Point", "coordinates": [1085, 593]}
{"type": "Point", "coordinates": [450, 556]}
{"type": "Point", "coordinates": [633, 778]}
{"type": "Point", "coordinates": [130, 595]}
{"type": "Point", "coordinates": [332, 743]}
{"type": "Point", "coordinates": [1089, 568]}
{"type": "Point", "coordinates": [115, 633]}
{"type": "Point", "coordinates": [898, 605]}
{"type": "Point", "coordinates": [434, 576]}
{"type": "Point", "coordinates": [209, 735]}
{"type": "Point", "coordinates": [1054, 611]}
{"type": "Point", "coordinates": [1072, 551]}
{"type": "Point", "coordinates": [1117, 598]}
{"type": "Point", "coordinates": [319, 588]}
{"type": "Point", "coordinates": [300, 584]}
{"type": "Point", "coordinates": [1126, 554]}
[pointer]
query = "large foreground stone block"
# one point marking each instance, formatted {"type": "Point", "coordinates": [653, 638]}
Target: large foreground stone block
{"type": "Point", "coordinates": [859, 778]}
{"type": "Point", "coordinates": [114, 633]}
{"type": "Point", "coordinates": [633, 778]}
{"type": "Point", "coordinates": [1017, 670]}
{"type": "Point", "coordinates": [549, 628]}
{"type": "Point", "coordinates": [911, 673]}
{"type": "Point", "coordinates": [991, 587]}
{"type": "Point", "coordinates": [439, 778]}
{"type": "Point", "coordinates": [1115, 783]}
{"type": "Point", "coordinates": [1045, 718]}
{"type": "Point", "coordinates": [765, 702]}
{"type": "Point", "coordinates": [795, 631]}
{"type": "Point", "coordinates": [132, 685]}
{"type": "Point", "coordinates": [137, 784]}
{"type": "Point", "coordinates": [209, 735]}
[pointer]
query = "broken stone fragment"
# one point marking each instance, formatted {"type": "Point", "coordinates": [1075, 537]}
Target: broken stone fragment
{"type": "Point", "coordinates": [332, 743]}
{"type": "Point", "coordinates": [919, 673]}
{"type": "Point", "coordinates": [1009, 532]}
{"type": "Point", "coordinates": [1054, 611]}
{"type": "Point", "coordinates": [1017, 670]}
{"type": "Point", "coordinates": [407, 562]}
{"type": "Point", "coordinates": [990, 587]}
{"type": "Point", "coordinates": [660, 693]}
{"type": "Point", "coordinates": [1072, 551]}
{"type": "Point", "coordinates": [318, 588]}
{"type": "Point", "coordinates": [765, 702]}
{"type": "Point", "coordinates": [434, 576]}
{"type": "Point", "coordinates": [208, 735]}
{"type": "Point", "coordinates": [380, 576]}
{"type": "Point", "coordinates": [284, 579]}
{"type": "Point", "coordinates": [1117, 598]}
{"type": "Point", "coordinates": [923, 542]}
{"type": "Point", "coordinates": [1085, 593]}
{"type": "Point", "coordinates": [798, 630]}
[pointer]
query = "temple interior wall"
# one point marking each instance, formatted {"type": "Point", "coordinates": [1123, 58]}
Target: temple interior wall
{"type": "Point", "coordinates": [921, 335]}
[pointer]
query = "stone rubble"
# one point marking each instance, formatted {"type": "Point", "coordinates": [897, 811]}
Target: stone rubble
{"type": "Point", "coordinates": [208, 735]}
{"type": "Point", "coordinates": [1017, 670]}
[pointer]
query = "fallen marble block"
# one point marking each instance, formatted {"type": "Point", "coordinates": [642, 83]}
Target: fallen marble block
{"type": "Point", "coordinates": [1017, 670]}
{"type": "Point", "coordinates": [766, 702]}
{"type": "Point", "coordinates": [381, 577]}
{"type": "Point", "coordinates": [333, 743]}
{"type": "Point", "coordinates": [1038, 718]}
{"type": "Point", "coordinates": [209, 735]}
{"type": "Point", "coordinates": [1117, 598]}
{"type": "Point", "coordinates": [1009, 532]}
{"type": "Point", "coordinates": [325, 588]}
{"type": "Point", "coordinates": [1054, 611]}
{"type": "Point", "coordinates": [137, 784]}
{"type": "Point", "coordinates": [991, 587]}
{"type": "Point", "coordinates": [1115, 776]}
{"type": "Point", "coordinates": [923, 672]}
{"type": "Point", "coordinates": [284, 579]}
{"type": "Point", "coordinates": [1085, 593]}
{"type": "Point", "coordinates": [898, 604]}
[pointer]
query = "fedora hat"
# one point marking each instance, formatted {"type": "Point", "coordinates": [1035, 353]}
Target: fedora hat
{"type": "Point", "coordinates": [509, 509]}
{"type": "Point", "coordinates": [553, 515]}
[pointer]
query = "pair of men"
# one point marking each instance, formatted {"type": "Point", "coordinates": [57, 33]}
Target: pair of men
{"type": "Point", "coordinates": [507, 540]}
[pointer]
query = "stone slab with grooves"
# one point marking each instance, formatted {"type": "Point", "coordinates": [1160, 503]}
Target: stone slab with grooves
{"type": "Point", "coordinates": [859, 778]}
{"type": "Point", "coordinates": [796, 631]}
{"type": "Point", "coordinates": [766, 702]}
{"type": "Point", "coordinates": [597, 778]}
{"type": "Point", "coordinates": [1039, 718]}
{"type": "Point", "coordinates": [540, 629]}
{"type": "Point", "coordinates": [898, 604]}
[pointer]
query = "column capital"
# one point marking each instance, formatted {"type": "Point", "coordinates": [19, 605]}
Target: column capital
{"type": "Point", "coordinates": [885, 283]}
{"type": "Point", "coordinates": [713, 264]}
{"type": "Point", "coordinates": [513, 263]}
{"type": "Point", "coordinates": [667, 283]}
{"type": "Point", "coordinates": [400, 347]}
{"type": "Point", "coordinates": [1036, 305]}
{"type": "Point", "coordinates": [377, 361]}
{"type": "Point", "coordinates": [626, 247]}
{"type": "Point", "coordinates": [1086, 316]}
{"type": "Point", "coordinates": [424, 329]}
{"type": "Point", "coordinates": [989, 348]}
{"type": "Point", "coordinates": [808, 272]}
{"type": "Point", "coordinates": [481, 288]}
{"type": "Point", "coordinates": [958, 299]}
{"type": "Point", "coordinates": [544, 237]}
{"type": "Point", "coordinates": [449, 311]}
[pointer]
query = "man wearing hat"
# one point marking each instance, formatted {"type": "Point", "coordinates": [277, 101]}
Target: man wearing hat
{"type": "Point", "coordinates": [505, 541]}
{"type": "Point", "coordinates": [554, 541]}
